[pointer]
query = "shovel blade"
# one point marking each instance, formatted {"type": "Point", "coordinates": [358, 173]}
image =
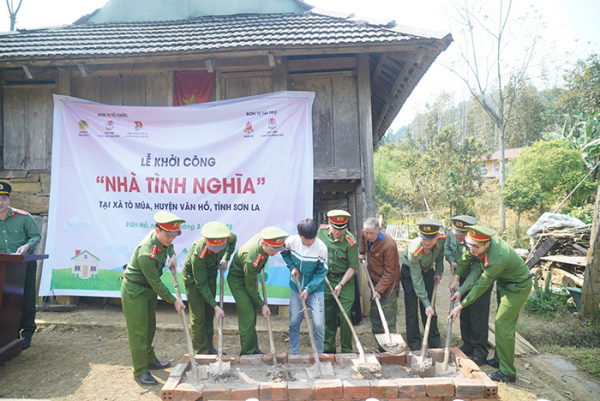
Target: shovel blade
{"type": "Point", "coordinates": [320, 369]}
{"type": "Point", "coordinates": [439, 368]}
{"type": "Point", "coordinates": [368, 359]}
{"type": "Point", "coordinates": [394, 345]}
{"type": "Point", "coordinates": [420, 365]}
{"type": "Point", "coordinates": [219, 368]}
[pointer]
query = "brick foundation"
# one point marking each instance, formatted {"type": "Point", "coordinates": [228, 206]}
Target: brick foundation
{"type": "Point", "coordinates": [476, 385]}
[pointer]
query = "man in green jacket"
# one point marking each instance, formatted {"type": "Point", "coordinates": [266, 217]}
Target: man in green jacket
{"type": "Point", "coordinates": [206, 257]}
{"type": "Point", "coordinates": [342, 262]}
{"type": "Point", "coordinates": [248, 261]}
{"type": "Point", "coordinates": [499, 263]}
{"type": "Point", "coordinates": [19, 234]}
{"type": "Point", "coordinates": [474, 318]}
{"type": "Point", "coordinates": [139, 289]}
{"type": "Point", "coordinates": [422, 265]}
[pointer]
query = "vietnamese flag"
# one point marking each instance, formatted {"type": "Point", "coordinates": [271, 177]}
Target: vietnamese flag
{"type": "Point", "coordinates": [193, 87]}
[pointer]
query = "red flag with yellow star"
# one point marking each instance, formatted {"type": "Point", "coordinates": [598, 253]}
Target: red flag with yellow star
{"type": "Point", "coordinates": [193, 87]}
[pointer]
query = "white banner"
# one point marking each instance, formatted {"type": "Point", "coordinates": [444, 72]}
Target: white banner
{"type": "Point", "coordinates": [245, 162]}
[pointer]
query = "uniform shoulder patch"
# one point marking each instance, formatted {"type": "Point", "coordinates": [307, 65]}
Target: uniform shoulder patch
{"type": "Point", "coordinates": [153, 251]}
{"type": "Point", "coordinates": [258, 259]}
{"type": "Point", "coordinates": [203, 253]}
{"type": "Point", "coordinates": [323, 226]}
{"type": "Point", "coordinates": [485, 260]}
{"type": "Point", "coordinates": [19, 211]}
{"type": "Point", "coordinates": [418, 251]}
{"type": "Point", "coordinates": [442, 235]}
{"type": "Point", "coordinates": [350, 240]}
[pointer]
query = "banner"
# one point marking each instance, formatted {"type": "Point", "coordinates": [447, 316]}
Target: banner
{"type": "Point", "coordinates": [245, 162]}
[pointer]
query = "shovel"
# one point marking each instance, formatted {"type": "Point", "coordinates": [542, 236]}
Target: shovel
{"type": "Point", "coordinates": [361, 362]}
{"type": "Point", "coordinates": [318, 369]}
{"type": "Point", "coordinates": [220, 368]}
{"type": "Point", "coordinates": [419, 364]}
{"type": "Point", "coordinates": [443, 367]}
{"type": "Point", "coordinates": [196, 374]}
{"type": "Point", "coordinates": [271, 342]}
{"type": "Point", "coordinates": [392, 343]}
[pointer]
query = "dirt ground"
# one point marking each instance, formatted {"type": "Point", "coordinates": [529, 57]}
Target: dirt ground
{"type": "Point", "coordinates": [83, 355]}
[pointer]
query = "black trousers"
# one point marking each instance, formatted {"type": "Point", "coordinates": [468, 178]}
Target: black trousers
{"type": "Point", "coordinates": [474, 324]}
{"type": "Point", "coordinates": [412, 305]}
{"type": "Point", "coordinates": [27, 323]}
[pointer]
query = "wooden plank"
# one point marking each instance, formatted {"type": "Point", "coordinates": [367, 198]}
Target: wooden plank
{"type": "Point", "coordinates": [14, 129]}
{"type": "Point", "coordinates": [337, 173]}
{"type": "Point", "coordinates": [87, 88]}
{"type": "Point", "coordinates": [322, 64]}
{"type": "Point", "coordinates": [366, 135]}
{"type": "Point", "coordinates": [38, 107]}
{"type": "Point", "coordinates": [261, 85]}
{"type": "Point", "coordinates": [345, 122]}
{"type": "Point", "coordinates": [112, 90]}
{"type": "Point", "coordinates": [236, 87]}
{"type": "Point", "coordinates": [541, 251]}
{"type": "Point", "coordinates": [64, 81]}
{"type": "Point", "coordinates": [324, 74]}
{"type": "Point", "coordinates": [134, 90]}
{"type": "Point", "coordinates": [571, 260]}
{"type": "Point", "coordinates": [247, 74]}
{"type": "Point", "coordinates": [157, 87]}
{"type": "Point", "coordinates": [322, 117]}
{"type": "Point", "coordinates": [337, 187]}
{"type": "Point", "coordinates": [280, 76]}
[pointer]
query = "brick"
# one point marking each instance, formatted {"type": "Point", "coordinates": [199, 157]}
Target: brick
{"type": "Point", "coordinates": [187, 392]}
{"type": "Point", "coordinates": [381, 389]}
{"type": "Point", "coordinates": [490, 388]}
{"type": "Point", "coordinates": [242, 393]}
{"type": "Point", "coordinates": [393, 359]}
{"type": "Point", "coordinates": [232, 359]}
{"type": "Point", "coordinates": [439, 387]}
{"type": "Point", "coordinates": [468, 367]}
{"type": "Point", "coordinates": [345, 359]}
{"type": "Point", "coordinates": [457, 353]}
{"type": "Point", "coordinates": [356, 389]}
{"type": "Point", "coordinates": [251, 360]}
{"type": "Point", "coordinates": [168, 389]}
{"type": "Point", "coordinates": [468, 388]}
{"type": "Point", "coordinates": [324, 358]}
{"type": "Point", "coordinates": [273, 391]}
{"type": "Point", "coordinates": [303, 359]}
{"type": "Point", "coordinates": [213, 391]}
{"type": "Point", "coordinates": [328, 389]}
{"type": "Point", "coordinates": [436, 354]}
{"type": "Point", "coordinates": [412, 388]}
{"type": "Point", "coordinates": [205, 359]}
{"type": "Point", "coordinates": [301, 391]}
{"type": "Point", "coordinates": [281, 358]}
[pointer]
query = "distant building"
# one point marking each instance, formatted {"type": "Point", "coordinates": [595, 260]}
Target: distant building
{"type": "Point", "coordinates": [491, 166]}
{"type": "Point", "coordinates": [85, 265]}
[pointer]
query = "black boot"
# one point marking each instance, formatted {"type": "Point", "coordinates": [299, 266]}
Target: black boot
{"type": "Point", "coordinates": [501, 377]}
{"type": "Point", "coordinates": [156, 365]}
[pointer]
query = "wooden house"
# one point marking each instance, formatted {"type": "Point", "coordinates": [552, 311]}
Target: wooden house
{"type": "Point", "coordinates": [126, 53]}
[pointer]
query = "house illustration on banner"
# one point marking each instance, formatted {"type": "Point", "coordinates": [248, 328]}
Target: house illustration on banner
{"type": "Point", "coordinates": [85, 265]}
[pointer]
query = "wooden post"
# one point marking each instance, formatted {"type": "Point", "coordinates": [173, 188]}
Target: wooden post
{"type": "Point", "coordinates": [590, 296]}
{"type": "Point", "coordinates": [280, 75]}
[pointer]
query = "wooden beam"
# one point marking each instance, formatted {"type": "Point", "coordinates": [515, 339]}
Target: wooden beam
{"type": "Point", "coordinates": [337, 173]}
{"type": "Point", "coordinates": [377, 71]}
{"type": "Point", "coordinates": [32, 72]}
{"type": "Point", "coordinates": [365, 121]}
{"type": "Point", "coordinates": [541, 251]}
{"type": "Point", "coordinates": [272, 61]}
{"type": "Point", "coordinates": [280, 76]}
{"type": "Point", "coordinates": [322, 64]}
{"type": "Point", "coordinates": [340, 187]}
{"type": "Point", "coordinates": [211, 64]}
{"type": "Point", "coordinates": [86, 70]}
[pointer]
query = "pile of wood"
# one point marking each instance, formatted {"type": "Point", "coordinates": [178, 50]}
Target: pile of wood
{"type": "Point", "coordinates": [564, 252]}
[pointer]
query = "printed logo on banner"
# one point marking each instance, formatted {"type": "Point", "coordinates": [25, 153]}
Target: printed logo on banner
{"type": "Point", "coordinates": [138, 133]}
{"type": "Point", "coordinates": [83, 124]}
{"type": "Point", "coordinates": [138, 125]}
{"type": "Point", "coordinates": [248, 130]}
{"type": "Point", "coordinates": [110, 125]}
{"type": "Point", "coordinates": [272, 124]}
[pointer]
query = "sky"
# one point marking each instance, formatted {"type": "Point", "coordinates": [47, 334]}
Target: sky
{"type": "Point", "coordinates": [569, 30]}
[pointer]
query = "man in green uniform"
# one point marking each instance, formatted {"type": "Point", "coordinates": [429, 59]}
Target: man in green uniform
{"type": "Point", "coordinates": [422, 263]}
{"type": "Point", "coordinates": [499, 263]}
{"type": "Point", "coordinates": [19, 234]}
{"type": "Point", "coordinates": [207, 256]}
{"type": "Point", "coordinates": [474, 318]}
{"type": "Point", "coordinates": [249, 260]}
{"type": "Point", "coordinates": [342, 262]}
{"type": "Point", "coordinates": [139, 289]}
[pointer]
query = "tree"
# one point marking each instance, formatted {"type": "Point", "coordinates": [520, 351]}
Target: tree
{"type": "Point", "coordinates": [546, 173]}
{"type": "Point", "coordinates": [494, 81]}
{"type": "Point", "coordinates": [583, 87]}
{"type": "Point", "coordinates": [13, 12]}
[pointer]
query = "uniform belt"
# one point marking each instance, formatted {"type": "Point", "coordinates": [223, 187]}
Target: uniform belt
{"type": "Point", "coordinates": [335, 275]}
{"type": "Point", "coordinates": [139, 283]}
{"type": "Point", "coordinates": [426, 271]}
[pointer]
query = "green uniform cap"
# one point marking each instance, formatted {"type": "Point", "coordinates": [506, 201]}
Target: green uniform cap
{"type": "Point", "coordinates": [339, 218]}
{"type": "Point", "coordinates": [274, 237]}
{"type": "Point", "coordinates": [5, 188]}
{"type": "Point", "coordinates": [429, 228]}
{"type": "Point", "coordinates": [460, 223]}
{"type": "Point", "coordinates": [480, 233]}
{"type": "Point", "coordinates": [169, 223]}
{"type": "Point", "coordinates": [215, 234]}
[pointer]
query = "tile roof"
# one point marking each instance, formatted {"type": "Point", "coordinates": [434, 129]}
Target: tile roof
{"type": "Point", "coordinates": [202, 34]}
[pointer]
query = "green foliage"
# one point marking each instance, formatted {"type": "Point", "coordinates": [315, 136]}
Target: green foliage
{"type": "Point", "coordinates": [583, 87]}
{"type": "Point", "coordinates": [585, 213]}
{"type": "Point", "coordinates": [551, 170]}
{"type": "Point", "coordinates": [581, 133]}
{"type": "Point", "coordinates": [516, 236]}
{"type": "Point", "coordinates": [544, 302]}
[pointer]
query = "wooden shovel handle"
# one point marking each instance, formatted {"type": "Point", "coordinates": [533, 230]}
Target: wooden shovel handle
{"type": "Point", "coordinates": [271, 341]}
